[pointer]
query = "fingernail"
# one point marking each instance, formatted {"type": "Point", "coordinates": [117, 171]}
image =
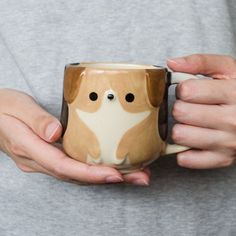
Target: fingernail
{"type": "Point", "coordinates": [140, 182]}
{"type": "Point", "coordinates": [51, 129]}
{"type": "Point", "coordinates": [178, 60]}
{"type": "Point", "coordinates": [114, 179]}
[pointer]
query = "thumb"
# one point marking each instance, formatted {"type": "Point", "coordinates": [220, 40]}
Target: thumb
{"type": "Point", "coordinates": [216, 66]}
{"type": "Point", "coordinates": [25, 108]}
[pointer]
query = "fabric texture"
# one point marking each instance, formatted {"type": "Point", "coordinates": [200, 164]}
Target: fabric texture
{"type": "Point", "coordinates": [37, 39]}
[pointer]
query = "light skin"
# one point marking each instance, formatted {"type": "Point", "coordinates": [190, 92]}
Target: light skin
{"type": "Point", "coordinates": [27, 134]}
{"type": "Point", "coordinates": [206, 111]}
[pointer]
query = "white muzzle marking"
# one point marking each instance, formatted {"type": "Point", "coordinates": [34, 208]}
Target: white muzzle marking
{"type": "Point", "coordinates": [109, 124]}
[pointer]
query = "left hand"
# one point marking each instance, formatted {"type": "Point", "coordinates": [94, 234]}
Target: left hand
{"type": "Point", "coordinates": [206, 110]}
{"type": "Point", "coordinates": [27, 133]}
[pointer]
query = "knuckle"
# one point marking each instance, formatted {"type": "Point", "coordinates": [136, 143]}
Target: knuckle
{"type": "Point", "coordinates": [89, 175]}
{"type": "Point", "coordinates": [177, 109]}
{"type": "Point", "coordinates": [61, 177]}
{"type": "Point", "coordinates": [176, 134]}
{"type": "Point", "coordinates": [199, 60]}
{"type": "Point", "coordinates": [231, 122]}
{"type": "Point", "coordinates": [197, 57]}
{"type": "Point", "coordinates": [184, 90]}
{"type": "Point", "coordinates": [230, 145]}
{"type": "Point", "coordinates": [59, 170]}
{"type": "Point", "coordinates": [16, 149]}
{"type": "Point", "coordinates": [24, 168]}
{"type": "Point", "coordinates": [226, 162]}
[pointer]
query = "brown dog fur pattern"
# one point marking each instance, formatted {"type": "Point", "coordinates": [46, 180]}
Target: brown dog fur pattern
{"type": "Point", "coordinates": [142, 142]}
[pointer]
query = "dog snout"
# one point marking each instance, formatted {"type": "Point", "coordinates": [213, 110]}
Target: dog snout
{"type": "Point", "coordinates": [110, 96]}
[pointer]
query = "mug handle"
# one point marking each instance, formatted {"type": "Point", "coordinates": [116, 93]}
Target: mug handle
{"type": "Point", "coordinates": [176, 78]}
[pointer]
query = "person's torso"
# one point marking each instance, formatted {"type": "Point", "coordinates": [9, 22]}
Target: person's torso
{"type": "Point", "coordinates": [37, 39]}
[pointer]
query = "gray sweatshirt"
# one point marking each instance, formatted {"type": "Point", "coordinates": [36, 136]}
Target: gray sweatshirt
{"type": "Point", "coordinates": [37, 38]}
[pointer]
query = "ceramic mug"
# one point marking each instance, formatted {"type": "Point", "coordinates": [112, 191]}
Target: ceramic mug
{"type": "Point", "coordinates": [116, 114]}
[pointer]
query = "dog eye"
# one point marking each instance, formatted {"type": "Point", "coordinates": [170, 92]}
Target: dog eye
{"type": "Point", "coordinates": [129, 97]}
{"type": "Point", "coordinates": [93, 96]}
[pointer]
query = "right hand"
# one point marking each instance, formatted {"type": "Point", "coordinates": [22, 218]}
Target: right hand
{"type": "Point", "coordinates": [26, 134]}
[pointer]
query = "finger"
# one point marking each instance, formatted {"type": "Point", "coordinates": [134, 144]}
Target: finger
{"type": "Point", "coordinates": [207, 91]}
{"type": "Point", "coordinates": [51, 158]}
{"type": "Point", "coordinates": [29, 166]}
{"type": "Point", "coordinates": [216, 66]}
{"type": "Point", "coordinates": [205, 115]}
{"type": "Point", "coordinates": [137, 178]}
{"type": "Point", "coordinates": [24, 108]}
{"type": "Point", "coordinates": [202, 138]}
{"type": "Point", "coordinates": [147, 171]}
{"type": "Point", "coordinates": [60, 165]}
{"type": "Point", "coordinates": [204, 159]}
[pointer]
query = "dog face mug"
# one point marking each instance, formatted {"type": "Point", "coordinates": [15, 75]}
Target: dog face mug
{"type": "Point", "coordinates": [116, 114]}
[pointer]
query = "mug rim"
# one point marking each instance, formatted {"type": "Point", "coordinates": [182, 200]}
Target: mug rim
{"type": "Point", "coordinates": [115, 66]}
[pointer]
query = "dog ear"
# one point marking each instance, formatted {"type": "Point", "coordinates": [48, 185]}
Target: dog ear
{"type": "Point", "coordinates": [155, 79]}
{"type": "Point", "coordinates": [72, 80]}
{"type": "Point", "coordinates": [64, 115]}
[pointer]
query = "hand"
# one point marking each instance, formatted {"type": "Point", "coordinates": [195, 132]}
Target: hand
{"type": "Point", "coordinates": [206, 110]}
{"type": "Point", "coordinates": [26, 134]}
